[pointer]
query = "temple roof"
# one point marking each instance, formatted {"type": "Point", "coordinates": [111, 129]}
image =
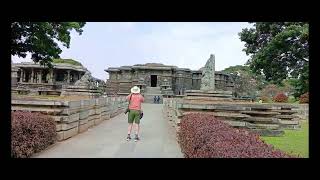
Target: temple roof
{"type": "Point", "coordinates": [66, 66]}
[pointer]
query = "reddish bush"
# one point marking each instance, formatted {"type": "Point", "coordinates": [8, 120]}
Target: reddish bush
{"type": "Point", "coordinates": [304, 98]}
{"type": "Point", "coordinates": [31, 133]}
{"type": "Point", "coordinates": [203, 136]}
{"type": "Point", "coordinates": [280, 97]}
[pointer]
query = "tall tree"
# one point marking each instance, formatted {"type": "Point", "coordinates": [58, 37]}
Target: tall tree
{"type": "Point", "coordinates": [279, 50]}
{"type": "Point", "coordinates": [40, 39]}
{"type": "Point", "coordinates": [246, 83]}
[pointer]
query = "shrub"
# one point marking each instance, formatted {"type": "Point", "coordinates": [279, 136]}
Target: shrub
{"type": "Point", "coordinates": [203, 136]}
{"type": "Point", "coordinates": [270, 90]}
{"type": "Point", "coordinates": [31, 133]}
{"type": "Point", "coordinates": [291, 99]}
{"type": "Point", "coordinates": [280, 97]}
{"type": "Point", "coordinates": [304, 98]}
{"type": "Point", "coordinates": [265, 99]}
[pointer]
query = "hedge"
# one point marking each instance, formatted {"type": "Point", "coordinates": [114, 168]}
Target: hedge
{"type": "Point", "coordinates": [31, 133]}
{"type": "Point", "coordinates": [203, 136]}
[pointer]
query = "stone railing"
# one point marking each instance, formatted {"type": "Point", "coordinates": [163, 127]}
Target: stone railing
{"type": "Point", "coordinates": [73, 117]}
{"type": "Point", "coordinates": [265, 119]}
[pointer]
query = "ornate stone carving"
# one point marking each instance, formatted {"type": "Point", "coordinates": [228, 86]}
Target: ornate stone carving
{"type": "Point", "coordinates": [208, 81]}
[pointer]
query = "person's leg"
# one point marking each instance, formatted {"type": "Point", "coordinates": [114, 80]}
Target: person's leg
{"type": "Point", "coordinates": [130, 128]}
{"type": "Point", "coordinates": [130, 122]}
{"type": "Point", "coordinates": [137, 125]}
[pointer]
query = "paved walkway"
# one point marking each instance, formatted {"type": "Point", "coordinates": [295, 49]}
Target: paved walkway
{"type": "Point", "coordinates": [108, 139]}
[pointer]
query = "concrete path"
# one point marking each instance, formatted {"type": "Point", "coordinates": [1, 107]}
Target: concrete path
{"type": "Point", "coordinates": [108, 139]}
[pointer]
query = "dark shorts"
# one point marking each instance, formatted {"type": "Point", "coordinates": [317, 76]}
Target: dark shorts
{"type": "Point", "coordinates": [134, 116]}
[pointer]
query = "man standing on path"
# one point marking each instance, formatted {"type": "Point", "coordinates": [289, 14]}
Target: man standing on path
{"type": "Point", "coordinates": [135, 99]}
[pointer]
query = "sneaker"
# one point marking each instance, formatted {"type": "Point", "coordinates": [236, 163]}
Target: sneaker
{"type": "Point", "coordinates": [136, 138]}
{"type": "Point", "coordinates": [128, 138]}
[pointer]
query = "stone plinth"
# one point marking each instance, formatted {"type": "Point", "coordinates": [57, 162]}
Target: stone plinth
{"type": "Point", "coordinates": [264, 119]}
{"type": "Point", "coordinates": [73, 117]}
{"type": "Point", "coordinates": [81, 91]}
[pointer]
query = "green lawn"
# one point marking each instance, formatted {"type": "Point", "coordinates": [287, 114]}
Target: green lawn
{"type": "Point", "coordinates": [294, 142]}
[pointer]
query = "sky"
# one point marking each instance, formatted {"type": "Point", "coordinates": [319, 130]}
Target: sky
{"type": "Point", "coordinates": [183, 44]}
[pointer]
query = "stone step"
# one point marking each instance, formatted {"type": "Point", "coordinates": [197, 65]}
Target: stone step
{"type": "Point", "coordinates": [287, 116]}
{"type": "Point", "coordinates": [260, 112]}
{"type": "Point", "coordinates": [262, 126]}
{"type": "Point", "coordinates": [268, 132]}
{"type": "Point", "coordinates": [261, 119]}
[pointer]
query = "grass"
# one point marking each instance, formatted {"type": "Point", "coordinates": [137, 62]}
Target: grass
{"type": "Point", "coordinates": [295, 142]}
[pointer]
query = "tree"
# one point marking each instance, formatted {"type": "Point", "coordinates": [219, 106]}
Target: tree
{"type": "Point", "coordinates": [279, 50]}
{"type": "Point", "coordinates": [39, 38]}
{"type": "Point", "coordinates": [246, 83]}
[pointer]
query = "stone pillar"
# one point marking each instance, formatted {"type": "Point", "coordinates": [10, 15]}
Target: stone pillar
{"type": "Point", "coordinates": [21, 75]}
{"type": "Point", "coordinates": [32, 75]}
{"type": "Point", "coordinates": [50, 76]}
{"type": "Point", "coordinates": [68, 79]}
{"type": "Point", "coordinates": [40, 76]}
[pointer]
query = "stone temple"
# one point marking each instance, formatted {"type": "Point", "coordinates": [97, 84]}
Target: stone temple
{"type": "Point", "coordinates": [34, 79]}
{"type": "Point", "coordinates": [164, 79]}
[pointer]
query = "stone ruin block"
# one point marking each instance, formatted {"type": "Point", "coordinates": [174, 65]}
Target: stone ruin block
{"type": "Point", "coordinates": [71, 118]}
{"type": "Point", "coordinates": [84, 114]}
{"type": "Point", "coordinates": [74, 104]}
{"type": "Point", "coordinates": [92, 111]}
{"type": "Point", "coordinates": [290, 126]}
{"type": "Point", "coordinates": [83, 127]}
{"type": "Point", "coordinates": [97, 121]}
{"type": "Point", "coordinates": [286, 112]}
{"type": "Point", "coordinates": [58, 127]}
{"type": "Point", "coordinates": [83, 121]}
{"type": "Point", "coordinates": [60, 136]}
{"type": "Point", "coordinates": [267, 132]}
{"type": "Point", "coordinates": [68, 126]}
{"type": "Point", "coordinates": [85, 103]}
{"type": "Point", "coordinates": [60, 118]}
{"type": "Point", "coordinates": [268, 120]}
{"type": "Point", "coordinates": [90, 123]}
{"type": "Point", "coordinates": [235, 123]}
{"type": "Point", "coordinates": [262, 126]}
{"type": "Point", "coordinates": [260, 112]}
{"type": "Point", "coordinates": [289, 122]}
{"type": "Point", "coordinates": [98, 110]}
{"type": "Point", "coordinates": [287, 116]}
{"type": "Point", "coordinates": [71, 132]}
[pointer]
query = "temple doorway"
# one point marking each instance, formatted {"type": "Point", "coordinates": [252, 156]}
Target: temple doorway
{"type": "Point", "coordinates": [153, 80]}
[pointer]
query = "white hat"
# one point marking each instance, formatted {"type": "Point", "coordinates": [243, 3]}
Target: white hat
{"type": "Point", "coordinates": [135, 90]}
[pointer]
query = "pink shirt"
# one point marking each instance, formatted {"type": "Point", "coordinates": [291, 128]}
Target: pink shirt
{"type": "Point", "coordinates": [136, 101]}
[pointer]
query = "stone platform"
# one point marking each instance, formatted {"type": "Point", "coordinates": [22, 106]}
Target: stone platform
{"type": "Point", "coordinates": [80, 91]}
{"type": "Point", "coordinates": [73, 117]}
{"type": "Point", "coordinates": [264, 119]}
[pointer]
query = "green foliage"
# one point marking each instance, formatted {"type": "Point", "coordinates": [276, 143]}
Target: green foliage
{"type": "Point", "coordinates": [68, 61]}
{"type": "Point", "coordinates": [40, 39]}
{"type": "Point", "coordinates": [279, 50]}
{"type": "Point", "coordinates": [270, 91]}
{"type": "Point", "coordinates": [292, 99]}
{"type": "Point", "coordinates": [246, 82]}
{"type": "Point", "coordinates": [266, 99]}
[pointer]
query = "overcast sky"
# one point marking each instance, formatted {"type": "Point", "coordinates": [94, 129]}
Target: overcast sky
{"type": "Point", "coordinates": [183, 44]}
